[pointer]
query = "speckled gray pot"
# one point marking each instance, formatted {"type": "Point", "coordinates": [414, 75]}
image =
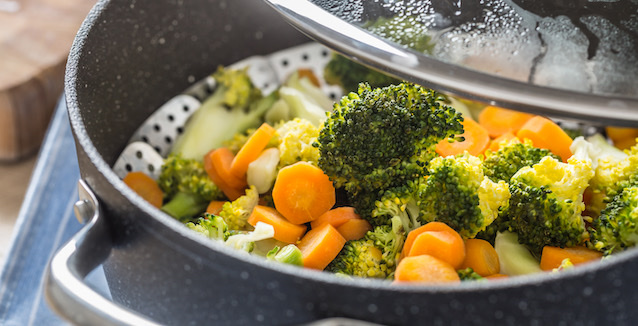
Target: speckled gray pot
{"type": "Point", "coordinates": [129, 58]}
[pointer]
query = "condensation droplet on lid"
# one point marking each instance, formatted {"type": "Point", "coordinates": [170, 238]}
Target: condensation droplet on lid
{"type": "Point", "coordinates": [244, 275]}
{"type": "Point", "coordinates": [372, 308]}
{"type": "Point", "coordinates": [260, 317]}
{"type": "Point", "coordinates": [259, 35]}
{"type": "Point", "coordinates": [587, 291]}
{"type": "Point", "coordinates": [161, 40]}
{"type": "Point", "coordinates": [187, 267]}
{"type": "Point", "coordinates": [191, 79]}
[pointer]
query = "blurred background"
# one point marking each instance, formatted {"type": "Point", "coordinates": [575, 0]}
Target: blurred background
{"type": "Point", "coordinates": [35, 38]}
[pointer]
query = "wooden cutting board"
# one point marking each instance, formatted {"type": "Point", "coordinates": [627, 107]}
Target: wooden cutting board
{"type": "Point", "coordinates": [35, 38]}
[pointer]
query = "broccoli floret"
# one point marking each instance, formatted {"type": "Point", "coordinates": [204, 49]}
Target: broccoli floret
{"type": "Point", "coordinates": [381, 138]}
{"type": "Point", "coordinates": [348, 74]}
{"type": "Point", "coordinates": [235, 100]}
{"type": "Point", "coordinates": [615, 170]}
{"type": "Point", "coordinates": [375, 255]}
{"type": "Point", "coordinates": [295, 139]}
{"type": "Point", "coordinates": [616, 229]}
{"type": "Point", "coordinates": [468, 274]}
{"type": "Point", "coordinates": [458, 194]}
{"type": "Point", "coordinates": [546, 203]}
{"type": "Point", "coordinates": [236, 213]}
{"type": "Point", "coordinates": [402, 202]}
{"type": "Point", "coordinates": [186, 186]}
{"type": "Point", "coordinates": [504, 163]}
{"type": "Point", "coordinates": [211, 226]}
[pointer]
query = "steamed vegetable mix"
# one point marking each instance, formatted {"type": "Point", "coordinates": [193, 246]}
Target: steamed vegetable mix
{"type": "Point", "coordinates": [392, 182]}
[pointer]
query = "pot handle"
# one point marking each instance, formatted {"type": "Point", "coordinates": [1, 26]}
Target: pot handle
{"type": "Point", "coordinates": [65, 289]}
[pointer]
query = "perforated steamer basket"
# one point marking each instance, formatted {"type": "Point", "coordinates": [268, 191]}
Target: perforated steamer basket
{"type": "Point", "coordinates": [132, 58]}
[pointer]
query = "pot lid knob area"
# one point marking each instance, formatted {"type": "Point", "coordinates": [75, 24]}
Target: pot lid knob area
{"type": "Point", "coordinates": [573, 59]}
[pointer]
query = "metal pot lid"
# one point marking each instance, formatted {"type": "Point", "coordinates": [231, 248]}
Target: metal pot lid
{"type": "Point", "coordinates": [574, 59]}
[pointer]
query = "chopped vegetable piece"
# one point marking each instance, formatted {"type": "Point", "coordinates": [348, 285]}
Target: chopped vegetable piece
{"type": "Point", "coordinates": [425, 269]}
{"type": "Point", "coordinates": [284, 230]}
{"type": "Point", "coordinates": [223, 160]}
{"type": "Point", "coordinates": [553, 257]}
{"type": "Point", "coordinates": [145, 186]}
{"type": "Point", "coordinates": [444, 245]}
{"type": "Point", "coordinates": [302, 192]}
{"type": "Point", "coordinates": [251, 150]}
{"type": "Point", "coordinates": [481, 257]}
{"type": "Point", "coordinates": [514, 258]}
{"type": "Point", "coordinates": [335, 216]}
{"type": "Point", "coordinates": [545, 133]}
{"type": "Point", "coordinates": [354, 229]}
{"type": "Point", "coordinates": [262, 172]}
{"type": "Point", "coordinates": [431, 226]}
{"type": "Point", "coordinates": [320, 246]}
{"type": "Point", "coordinates": [308, 73]}
{"type": "Point", "coordinates": [215, 206]}
{"type": "Point", "coordinates": [289, 254]}
{"type": "Point", "coordinates": [498, 121]}
{"type": "Point", "coordinates": [476, 140]}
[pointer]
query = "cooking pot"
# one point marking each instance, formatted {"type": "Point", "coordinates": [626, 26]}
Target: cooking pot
{"type": "Point", "coordinates": [130, 57]}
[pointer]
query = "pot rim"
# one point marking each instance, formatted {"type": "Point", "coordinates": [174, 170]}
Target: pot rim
{"type": "Point", "coordinates": [196, 241]}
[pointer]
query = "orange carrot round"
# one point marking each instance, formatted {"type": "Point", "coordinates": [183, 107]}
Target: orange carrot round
{"type": "Point", "coordinates": [302, 192]}
{"type": "Point", "coordinates": [620, 135]}
{"type": "Point", "coordinates": [215, 206]}
{"type": "Point", "coordinates": [425, 269]}
{"type": "Point", "coordinates": [354, 229]}
{"type": "Point", "coordinates": [481, 256]}
{"type": "Point", "coordinates": [496, 276]}
{"type": "Point", "coordinates": [251, 150]}
{"type": "Point", "coordinates": [211, 168]}
{"type": "Point", "coordinates": [320, 246]}
{"type": "Point", "coordinates": [145, 186]}
{"type": "Point", "coordinates": [284, 230]}
{"type": "Point", "coordinates": [498, 121]}
{"type": "Point", "coordinates": [476, 141]}
{"type": "Point", "coordinates": [544, 133]}
{"type": "Point", "coordinates": [335, 216]}
{"type": "Point", "coordinates": [444, 245]}
{"type": "Point", "coordinates": [552, 257]}
{"type": "Point", "coordinates": [431, 226]}
{"type": "Point", "coordinates": [308, 73]}
{"type": "Point", "coordinates": [222, 159]}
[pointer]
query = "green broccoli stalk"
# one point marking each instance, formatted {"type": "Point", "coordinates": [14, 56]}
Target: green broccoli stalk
{"type": "Point", "coordinates": [546, 203]}
{"type": "Point", "coordinates": [235, 100]}
{"type": "Point", "coordinates": [504, 163]}
{"type": "Point", "coordinates": [382, 138]}
{"type": "Point", "coordinates": [186, 186]}
{"type": "Point", "coordinates": [458, 194]}
{"type": "Point", "coordinates": [402, 202]}
{"type": "Point", "coordinates": [514, 258]}
{"type": "Point", "coordinates": [211, 226]}
{"type": "Point", "coordinates": [616, 229]}
{"type": "Point", "coordinates": [376, 255]}
{"type": "Point", "coordinates": [245, 241]}
{"type": "Point", "coordinates": [289, 254]}
{"type": "Point", "coordinates": [236, 213]}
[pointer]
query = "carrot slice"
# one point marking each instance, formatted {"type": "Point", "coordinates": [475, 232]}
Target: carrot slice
{"type": "Point", "coordinates": [251, 150]}
{"type": "Point", "coordinates": [496, 276]}
{"type": "Point", "coordinates": [308, 73]}
{"type": "Point", "coordinates": [626, 143]}
{"type": "Point", "coordinates": [335, 217]}
{"type": "Point", "coordinates": [498, 121]}
{"type": "Point", "coordinates": [620, 135]}
{"type": "Point", "coordinates": [425, 269]}
{"type": "Point", "coordinates": [444, 245]}
{"type": "Point", "coordinates": [545, 133]}
{"type": "Point", "coordinates": [431, 226]}
{"type": "Point", "coordinates": [354, 229]}
{"type": "Point", "coordinates": [506, 138]}
{"type": "Point", "coordinates": [302, 192]}
{"type": "Point", "coordinates": [284, 230]}
{"type": "Point", "coordinates": [215, 206]}
{"type": "Point", "coordinates": [552, 257]}
{"type": "Point", "coordinates": [320, 246]}
{"type": "Point", "coordinates": [222, 159]}
{"type": "Point", "coordinates": [476, 141]}
{"type": "Point", "coordinates": [481, 256]}
{"type": "Point", "coordinates": [145, 186]}
{"type": "Point", "coordinates": [221, 178]}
